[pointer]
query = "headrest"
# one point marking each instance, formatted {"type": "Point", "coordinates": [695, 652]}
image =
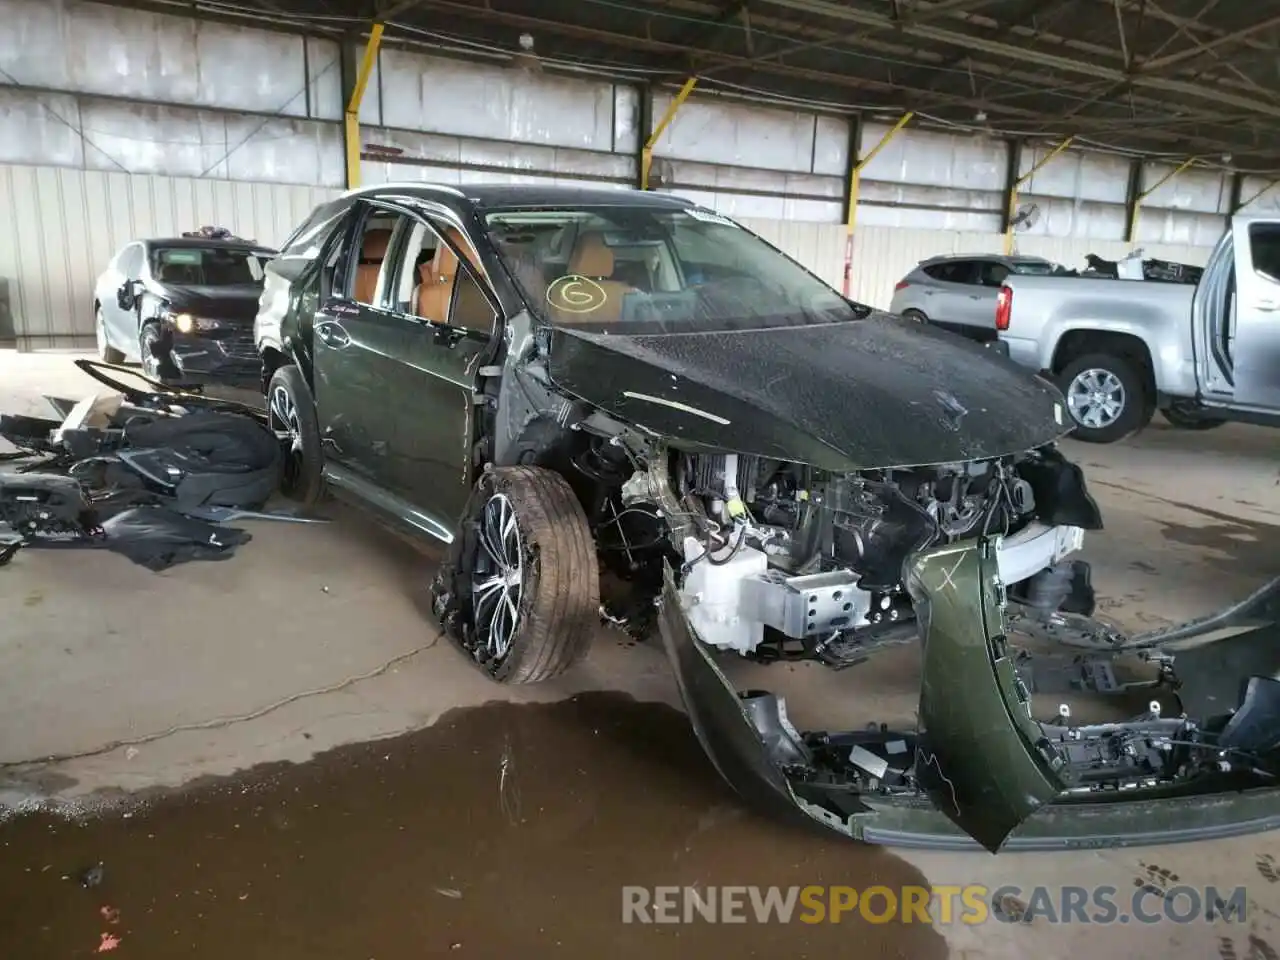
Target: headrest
{"type": "Point", "coordinates": [591, 257]}
{"type": "Point", "coordinates": [445, 264]}
{"type": "Point", "coordinates": [375, 245]}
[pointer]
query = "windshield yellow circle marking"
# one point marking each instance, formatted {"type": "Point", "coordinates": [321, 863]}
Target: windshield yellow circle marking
{"type": "Point", "coordinates": [576, 294]}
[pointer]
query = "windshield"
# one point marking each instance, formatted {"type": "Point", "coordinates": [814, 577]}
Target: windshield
{"type": "Point", "coordinates": [656, 270]}
{"type": "Point", "coordinates": [206, 266]}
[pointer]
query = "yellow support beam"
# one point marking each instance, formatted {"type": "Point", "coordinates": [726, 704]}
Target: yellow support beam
{"type": "Point", "coordinates": [855, 172]}
{"type": "Point", "coordinates": [646, 153]}
{"type": "Point", "coordinates": [351, 118]}
{"type": "Point", "coordinates": [1013, 194]}
{"type": "Point", "coordinates": [1137, 202]}
{"type": "Point", "coordinates": [1257, 195]}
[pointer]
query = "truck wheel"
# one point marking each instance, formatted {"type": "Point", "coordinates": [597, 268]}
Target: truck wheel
{"type": "Point", "coordinates": [1106, 396]}
{"type": "Point", "coordinates": [1179, 418]}
{"type": "Point", "coordinates": [291, 414]}
{"type": "Point", "coordinates": [523, 587]}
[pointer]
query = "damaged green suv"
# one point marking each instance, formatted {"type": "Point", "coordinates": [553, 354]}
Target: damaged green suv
{"type": "Point", "coordinates": [572, 388]}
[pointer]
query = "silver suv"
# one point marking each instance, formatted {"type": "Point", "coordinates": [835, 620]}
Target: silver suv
{"type": "Point", "coordinates": [958, 292]}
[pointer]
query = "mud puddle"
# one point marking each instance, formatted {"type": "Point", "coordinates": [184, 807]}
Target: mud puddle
{"type": "Point", "coordinates": [503, 830]}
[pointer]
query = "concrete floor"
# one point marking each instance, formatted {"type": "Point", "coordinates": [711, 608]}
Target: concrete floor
{"type": "Point", "coordinates": [315, 636]}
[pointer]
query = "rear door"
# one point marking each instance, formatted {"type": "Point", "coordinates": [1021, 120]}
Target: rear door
{"type": "Point", "coordinates": [980, 312]}
{"type": "Point", "coordinates": [951, 303]}
{"type": "Point", "coordinates": [1255, 350]}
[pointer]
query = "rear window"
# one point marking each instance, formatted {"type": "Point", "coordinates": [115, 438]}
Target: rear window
{"type": "Point", "coordinates": [1032, 268]}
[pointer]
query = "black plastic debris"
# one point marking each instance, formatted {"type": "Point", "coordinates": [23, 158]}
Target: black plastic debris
{"type": "Point", "coordinates": [159, 538]}
{"type": "Point", "coordinates": [203, 459]}
{"type": "Point", "coordinates": [153, 474]}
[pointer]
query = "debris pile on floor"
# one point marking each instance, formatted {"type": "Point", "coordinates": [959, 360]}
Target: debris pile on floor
{"type": "Point", "coordinates": [147, 471]}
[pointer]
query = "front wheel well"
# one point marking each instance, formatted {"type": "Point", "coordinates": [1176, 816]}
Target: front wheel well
{"type": "Point", "coordinates": [1078, 343]}
{"type": "Point", "coordinates": [272, 360]}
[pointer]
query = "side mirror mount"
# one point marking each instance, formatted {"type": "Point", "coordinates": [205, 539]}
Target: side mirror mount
{"type": "Point", "coordinates": [446, 335]}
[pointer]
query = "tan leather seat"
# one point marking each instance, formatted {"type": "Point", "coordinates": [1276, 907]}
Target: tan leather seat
{"type": "Point", "coordinates": [371, 256]}
{"type": "Point", "coordinates": [422, 289]}
{"type": "Point", "coordinates": [437, 285]}
{"type": "Point", "coordinates": [588, 293]}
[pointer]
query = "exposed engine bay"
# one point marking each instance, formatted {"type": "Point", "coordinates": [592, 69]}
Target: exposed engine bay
{"type": "Point", "coordinates": [781, 561]}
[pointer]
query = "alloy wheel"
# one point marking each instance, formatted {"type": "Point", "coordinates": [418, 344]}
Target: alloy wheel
{"type": "Point", "coordinates": [282, 413]}
{"type": "Point", "coordinates": [497, 580]}
{"type": "Point", "coordinates": [150, 362]}
{"type": "Point", "coordinates": [1096, 398]}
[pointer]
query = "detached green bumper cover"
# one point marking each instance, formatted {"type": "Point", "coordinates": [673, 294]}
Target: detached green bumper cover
{"type": "Point", "coordinates": [981, 758]}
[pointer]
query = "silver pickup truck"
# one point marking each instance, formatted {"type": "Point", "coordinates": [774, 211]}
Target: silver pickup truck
{"type": "Point", "coordinates": [1121, 349]}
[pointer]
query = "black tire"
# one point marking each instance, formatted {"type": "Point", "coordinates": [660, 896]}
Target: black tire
{"type": "Point", "coordinates": [1136, 407]}
{"type": "Point", "coordinates": [106, 352]}
{"type": "Point", "coordinates": [302, 475]}
{"type": "Point", "coordinates": [915, 315]}
{"type": "Point", "coordinates": [558, 607]}
{"type": "Point", "coordinates": [1180, 419]}
{"type": "Point", "coordinates": [148, 334]}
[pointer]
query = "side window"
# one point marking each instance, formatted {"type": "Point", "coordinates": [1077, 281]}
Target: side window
{"type": "Point", "coordinates": [471, 310]}
{"type": "Point", "coordinates": [434, 286]}
{"type": "Point", "coordinates": [1264, 245]}
{"type": "Point", "coordinates": [367, 269]}
{"type": "Point", "coordinates": [953, 271]}
{"type": "Point", "coordinates": [310, 237]}
{"type": "Point", "coordinates": [992, 273]}
{"type": "Point", "coordinates": [131, 261]}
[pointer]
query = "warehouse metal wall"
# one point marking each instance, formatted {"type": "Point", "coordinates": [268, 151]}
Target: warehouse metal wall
{"type": "Point", "coordinates": [117, 123]}
{"type": "Point", "coordinates": [61, 226]}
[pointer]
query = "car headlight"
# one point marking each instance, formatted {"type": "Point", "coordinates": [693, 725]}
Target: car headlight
{"type": "Point", "coordinates": [186, 323]}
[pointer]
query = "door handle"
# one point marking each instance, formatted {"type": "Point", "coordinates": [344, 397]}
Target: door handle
{"type": "Point", "coordinates": [1267, 305]}
{"type": "Point", "coordinates": [332, 334]}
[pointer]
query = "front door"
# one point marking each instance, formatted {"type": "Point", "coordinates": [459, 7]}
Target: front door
{"type": "Point", "coordinates": [355, 340]}
{"type": "Point", "coordinates": [397, 345]}
{"type": "Point", "coordinates": [1255, 352]}
{"type": "Point", "coordinates": [449, 318]}
{"type": "Point", "coordinates": [122, 325]}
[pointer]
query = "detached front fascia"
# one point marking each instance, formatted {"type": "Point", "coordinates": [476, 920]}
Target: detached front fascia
{"type": "Point", "coordinates": [987, 776]}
